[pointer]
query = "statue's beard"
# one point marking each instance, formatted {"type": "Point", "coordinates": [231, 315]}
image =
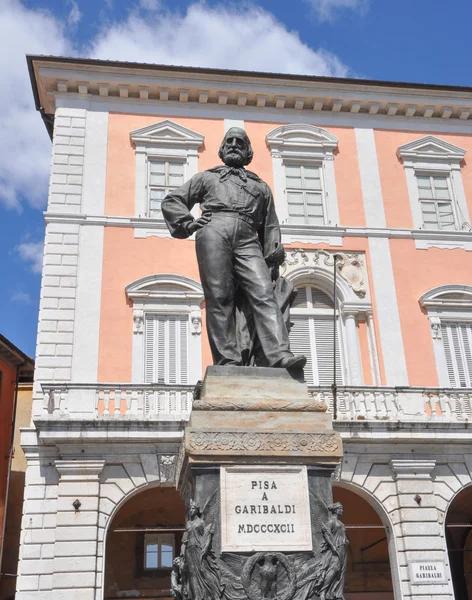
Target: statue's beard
{"type": "Point", "coordinates": [234, 159]}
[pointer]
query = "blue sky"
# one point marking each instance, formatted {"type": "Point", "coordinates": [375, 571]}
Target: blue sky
{"type": "Point", "coordinates": [408, 40]}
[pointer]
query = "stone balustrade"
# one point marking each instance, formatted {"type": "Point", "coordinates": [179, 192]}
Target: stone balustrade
{"type": "Point", "coordinates": [358, 403]}
{"type": "Point", "coordinates": [354, 403]}
{"type": "Point", "coordinates": [132, 400]}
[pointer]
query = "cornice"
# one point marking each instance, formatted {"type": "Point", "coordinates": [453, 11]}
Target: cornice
{"type": "Point", "coordinates": [158, 84]}
{"type": "Point", "coordinates": [301, 231]}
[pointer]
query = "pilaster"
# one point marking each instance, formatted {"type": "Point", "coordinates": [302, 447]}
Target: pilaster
{"type": "Point", "coordinates": [75, 550]}
{"type": "Point", "coordinates": [353, 349]}
{"type": "Point", "coordinates": [35, 567]}
{"type": "Point", "coordinates": [418, 529]}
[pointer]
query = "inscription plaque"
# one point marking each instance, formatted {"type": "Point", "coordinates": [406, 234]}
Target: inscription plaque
{"type": "Point", "coordinates": [428, 572]}
{"type": "Point", "coordinates": [265, 508]}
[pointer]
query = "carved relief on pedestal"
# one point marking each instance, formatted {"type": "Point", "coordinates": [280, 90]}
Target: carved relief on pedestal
{"type": "Point", "coordinates": [349, 265]}
{"type": "Point", "coordinates": [268, 575]}
{"type": "Point", "coordinates": [262, 442]}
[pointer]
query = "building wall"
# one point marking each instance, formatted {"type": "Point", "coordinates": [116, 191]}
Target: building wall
{"type": "Point", "coordinates": [86, 462]}
{"type": "Point", "coordinates": [7, 398]}
{"type": "Point", "coordinates": [15, 496]}
{"type": "Point", "coordinates": [127, 258]}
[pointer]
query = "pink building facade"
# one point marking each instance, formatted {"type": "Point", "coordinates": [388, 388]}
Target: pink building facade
{"type": "Point", "coordinates": [376, 173]}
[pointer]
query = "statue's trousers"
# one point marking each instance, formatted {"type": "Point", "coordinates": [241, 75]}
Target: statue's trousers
{"type": "Point", "coordinates": [229, 254]}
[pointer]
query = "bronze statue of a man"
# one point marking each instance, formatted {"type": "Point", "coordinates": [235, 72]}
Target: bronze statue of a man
{"type": "Point", "coordinates": [238, 241]}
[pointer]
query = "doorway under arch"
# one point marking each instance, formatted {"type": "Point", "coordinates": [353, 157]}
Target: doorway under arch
{"type": "Point", "coordinates": [459, 543]}
{"type": "Point", "coordinates": [368, 574]}
{"type": "Point", "coordinates": [142, 540]}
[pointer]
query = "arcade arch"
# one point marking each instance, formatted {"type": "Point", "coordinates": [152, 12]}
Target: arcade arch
{"type": "Point", "coordinates": [459, 543]}
{"type": "Point", "coordinates": [142, 539]}
{"type": "Point", "coordinates": [369, 563]}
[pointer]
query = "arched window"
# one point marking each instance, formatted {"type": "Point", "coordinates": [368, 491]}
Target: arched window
{"type": "Point", "coordinates": [312, 334]}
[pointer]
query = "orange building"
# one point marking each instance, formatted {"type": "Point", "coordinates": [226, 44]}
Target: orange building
{"type": "Point", "coordinates": [16, 379]}
{"type": "Point", "coordinates": [376, 174]}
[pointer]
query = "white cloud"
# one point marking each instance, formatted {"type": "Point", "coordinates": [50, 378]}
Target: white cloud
{"type": "Point", "coordinates": [225, 37]}
{"type": "Point", "coordinates": [32, 253]}
{"type": "Point", "coordinates": [25, 148]}
{"type": "Point", "coordinates": [327, 9]}
{"type": "Point", "coordinates": [150, 4]}
{"type": "Point", "coordinates": [74, 14]}
{"type": "Point", "coordinates": [222, 37]}
{"type": "Point", "coordinates": [22, 297]}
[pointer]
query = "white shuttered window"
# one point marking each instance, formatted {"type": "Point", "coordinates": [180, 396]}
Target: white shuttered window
{"type": "Point", "coordinates": [312, 334]}
{"type": "Point", "coordinates": [164, 176]}
{"type": "Point", "coordinates": [166, 353]}
{"type": "Point", "coordinates": [457, 340]}
{"type": "Point", "coordinates": [304, 193]}
{"type": "Point", "coordinates": [436, 201]}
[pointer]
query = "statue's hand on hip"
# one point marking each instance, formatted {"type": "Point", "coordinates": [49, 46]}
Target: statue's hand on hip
{"type": "Point", "coordinates": [198, 224]}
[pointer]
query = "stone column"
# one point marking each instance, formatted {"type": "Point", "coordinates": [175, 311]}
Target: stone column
{"type": "Point", "coordinates": [353, 351]}
{"type": "Point", "coordinates": [419, 533]}
{"type": "Point", "coordinates": [75, 548]}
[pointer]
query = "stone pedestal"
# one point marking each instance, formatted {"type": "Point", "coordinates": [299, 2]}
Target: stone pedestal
{"type": "Point", "coordinates": [255, 469]}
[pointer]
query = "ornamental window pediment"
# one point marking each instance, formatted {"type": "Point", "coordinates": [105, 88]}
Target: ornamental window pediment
{"type": "Point", "coordinates": [301, 138]}
{"type": "Point", "coordinates": [429, 147]}
{"type": "Point", "coordinates": [165, 287]}
{"type": "Point", "coordinates": [166, 132]}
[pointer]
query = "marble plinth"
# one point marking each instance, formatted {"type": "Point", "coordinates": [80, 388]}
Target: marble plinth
{"type": "Point", "coordinates": [255, 470]}
{"type": "Point", "coordinates": [247, 415]}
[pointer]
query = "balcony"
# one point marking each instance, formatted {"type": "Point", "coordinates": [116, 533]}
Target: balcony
{"type": "Point", "coordinates": [95, 400]}
{"type": "Point", "coordinates": [161, 402]}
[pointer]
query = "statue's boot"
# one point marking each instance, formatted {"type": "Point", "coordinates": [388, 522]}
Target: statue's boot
{"type": "Point", "coordinates": [291, 361]}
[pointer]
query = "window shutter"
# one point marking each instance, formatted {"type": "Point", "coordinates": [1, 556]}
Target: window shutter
{"type": "Point", "coordinates": [320, 300]}
{"type": "Point", "coordinates": [149, 342]}
{"type": "Point", "coordinates": [301, 300]}
{"type": "Point", "coordinates": [466, 333]}
{"type": "Point", "coordinates": [300, 342]}
{"type": "Point", "coordinates": [457, 343]}
{"type": "Point", "coordinates": [313, 334]}
{"type": "Point", "coordinates": [324, 337]}
{"type": "Point", "coordinates": [166, 344]}
{"type": "Point", "coordinates": [184, 355]}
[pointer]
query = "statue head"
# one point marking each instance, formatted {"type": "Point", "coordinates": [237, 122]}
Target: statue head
{"type": "Point", "coordinates": [336, 509]}
{"type": "Point", "coordinates": [194, 509]}
{"type": "Point", "coordinates": [236, 149]}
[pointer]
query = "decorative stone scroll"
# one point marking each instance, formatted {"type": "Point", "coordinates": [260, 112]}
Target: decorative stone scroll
{"type": "Point", "coordinates": [264, 443]}
{"type": "Point", "coordinates": [349, 265]}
